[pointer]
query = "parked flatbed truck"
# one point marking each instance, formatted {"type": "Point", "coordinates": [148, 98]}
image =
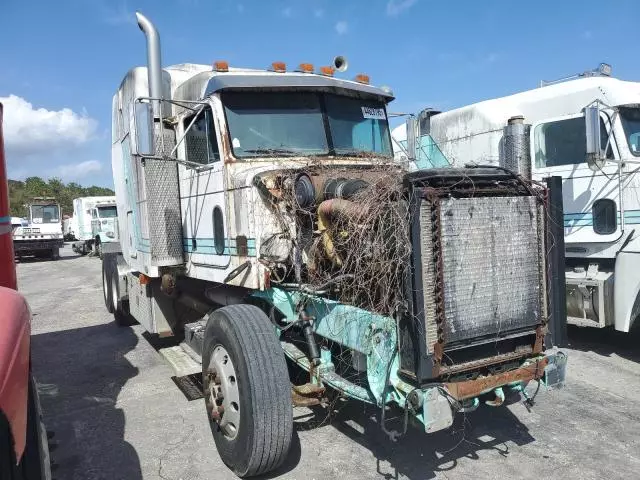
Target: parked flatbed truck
{"type": "Point", "coordinates": [262, 218]}
{"type": "Point", "coordinates": [41, 236]}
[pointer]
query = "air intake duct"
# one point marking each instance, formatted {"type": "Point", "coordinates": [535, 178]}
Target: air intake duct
{"type": "Point", "coordinates": [343, 188]}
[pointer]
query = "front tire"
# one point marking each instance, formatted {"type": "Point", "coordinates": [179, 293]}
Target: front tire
{"type": "Point", "coordinates": [34, 464]}
{"type": "Point", "coordinates": [55, 253]}
{"type": "Point", "coordinates": [245, 373]}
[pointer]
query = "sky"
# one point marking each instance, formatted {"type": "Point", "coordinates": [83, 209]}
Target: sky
{"type": "Point", "coordinates": [61, 61]}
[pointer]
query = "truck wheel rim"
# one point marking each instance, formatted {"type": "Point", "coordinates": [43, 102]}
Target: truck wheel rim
{"type": "Point", "coordinates": [223, 396]}
{"type": "Point", "coordinates": [114, 294]}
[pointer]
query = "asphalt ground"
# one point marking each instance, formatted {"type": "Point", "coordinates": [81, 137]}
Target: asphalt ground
{"type": "Point", "coordinates": [108, 398]}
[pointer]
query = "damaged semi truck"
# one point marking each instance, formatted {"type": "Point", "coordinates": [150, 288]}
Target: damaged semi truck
{"type": "Point", "coordinates": [262, 216]}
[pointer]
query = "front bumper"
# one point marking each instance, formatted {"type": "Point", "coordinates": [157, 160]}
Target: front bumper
{"type": "Point", "coordinates": [22, 246]}
{"type": "Point", "coordinates": [436, 406]}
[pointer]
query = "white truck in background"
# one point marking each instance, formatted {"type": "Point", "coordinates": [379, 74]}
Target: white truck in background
{"type": "Point", "coordinates": [585, 128]}
{"type": "Point", "coordinates": [95, 220]}
{"type": "Point", "coordinates": [69, 228]}
{"type": "Point", "coordinates": [41, 234]}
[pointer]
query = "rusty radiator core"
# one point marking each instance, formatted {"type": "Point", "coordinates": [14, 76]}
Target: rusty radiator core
{"type": "Point", "coordinates": [489, 265]}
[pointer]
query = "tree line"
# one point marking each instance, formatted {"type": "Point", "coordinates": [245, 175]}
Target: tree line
{"type": "Point", "coordinates": [22, 192]}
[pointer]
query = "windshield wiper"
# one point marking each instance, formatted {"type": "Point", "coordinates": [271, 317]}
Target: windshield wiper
{"type": "Point", "coordinates": [361, 153]}
{"type": "Point", "coordinates": [272, 151]}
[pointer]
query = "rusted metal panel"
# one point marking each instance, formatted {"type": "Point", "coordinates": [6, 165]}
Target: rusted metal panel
{"type": "Point", "coordinates": [473, 388]}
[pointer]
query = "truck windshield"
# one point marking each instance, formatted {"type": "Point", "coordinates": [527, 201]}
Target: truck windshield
{"type": "Point", "coordinates": [305, 123]}
{"type": "Point", "coordinates": [630, 117]}
{"type": "Point", "coordinates": [45, 214]}
{"type": "Point", "coordinates": [108, 212]}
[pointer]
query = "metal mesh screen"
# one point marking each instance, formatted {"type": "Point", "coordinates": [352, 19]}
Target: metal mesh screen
{"type": "Point", "coordinates": [197, 146]}
{"type": "Point", "coordinates": [516, 154]}
{"type": "Point", "coordinates": [491, 265]}
{"type": "Point", "coordinates": [163, 204]}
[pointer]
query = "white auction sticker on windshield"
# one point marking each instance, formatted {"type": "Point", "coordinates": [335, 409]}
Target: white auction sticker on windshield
{"type": "Point", "coordinates": [375, 113]}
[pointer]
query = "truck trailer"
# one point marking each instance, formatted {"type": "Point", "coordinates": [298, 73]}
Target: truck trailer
{"type": "Point", "coordinates": [586, 129]}
{"type": "Point", "coordinates": [264, 220]}
{"type": "Point", "coordinates": [41, 234]}
{"type": "Point", "coordinates": [95, 220]}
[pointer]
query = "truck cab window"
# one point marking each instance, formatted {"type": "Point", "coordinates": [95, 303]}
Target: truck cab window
{"type": "Point", "coordinates": [45, 213]}
{"type": "Point", "coordinates": [631, 123]}
{"type": "Point", "coordinates": [200, 140]}
{"type": "Point", "coordinates": [564, 142]}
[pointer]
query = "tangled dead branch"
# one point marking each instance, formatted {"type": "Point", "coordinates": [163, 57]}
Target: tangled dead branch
{"type": "Point", "coordinates": [352, 243]}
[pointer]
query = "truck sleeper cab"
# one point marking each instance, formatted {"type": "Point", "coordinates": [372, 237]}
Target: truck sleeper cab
{"type": "Point", "coordinates": [262, 216]}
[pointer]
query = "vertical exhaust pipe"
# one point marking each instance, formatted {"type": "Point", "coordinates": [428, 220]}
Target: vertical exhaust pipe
{"type": "Point", "coordinates": [154, 61]}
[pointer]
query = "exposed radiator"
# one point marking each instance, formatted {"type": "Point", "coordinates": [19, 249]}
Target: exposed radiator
{"type": "Point", "coordinates": [491, 265]}
{"type": "Point", "coordinates": [478, 284]}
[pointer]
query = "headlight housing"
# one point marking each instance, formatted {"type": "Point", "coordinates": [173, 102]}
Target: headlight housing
{"type": "Point", "coordinates": [110, 234]}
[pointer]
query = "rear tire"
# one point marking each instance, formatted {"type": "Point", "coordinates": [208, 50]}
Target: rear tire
{"type": "Point", "coordinates": [106, 287]}
{"type": "Point", "coordinates": [119, 307]}
{"type": "Point", "coordinates": [263, 413]}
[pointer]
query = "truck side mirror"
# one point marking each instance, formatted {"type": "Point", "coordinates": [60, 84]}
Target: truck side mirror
{"type": "Point", "coordinates": [595, 157]}
{"type": "Point", "coordinates": [141, 130]}
{"type": "Point", "coordinates": [412, 143]}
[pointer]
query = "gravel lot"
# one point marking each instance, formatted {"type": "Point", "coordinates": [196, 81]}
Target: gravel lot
{"type": "Point", "coordinates": [108, 395]}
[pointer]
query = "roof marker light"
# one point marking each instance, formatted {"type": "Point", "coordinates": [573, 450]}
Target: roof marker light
{"type": "Point", "coordinates": [362, 78]}
{"type": "Point", "coordinates": [306, 67]}
{"type": "Point", "coordinates": [221, 66]}
{"type": "Point", "coordinates": [327, 71]}
{"type": "Point", "coordinates": [279, 67]}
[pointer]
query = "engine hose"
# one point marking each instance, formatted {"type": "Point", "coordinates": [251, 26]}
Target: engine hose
{"type": "Point", "coordinates": [326, 210]}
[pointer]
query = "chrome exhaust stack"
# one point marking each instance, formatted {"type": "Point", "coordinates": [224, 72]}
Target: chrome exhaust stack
{"type": "Point", "coordinates": [154, 61]}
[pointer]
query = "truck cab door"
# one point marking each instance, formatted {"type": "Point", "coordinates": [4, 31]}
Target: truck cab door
{"type": "Point", "coordinates": [202, 194]}
{"type": "Point", "coordinates": [591, 198]}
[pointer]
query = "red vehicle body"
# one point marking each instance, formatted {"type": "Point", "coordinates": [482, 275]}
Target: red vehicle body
{"type": "Point", "coordinates": [23, 451]}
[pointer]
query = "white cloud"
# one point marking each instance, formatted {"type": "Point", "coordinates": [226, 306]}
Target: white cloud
{"type": "Point", "coordinates": [342, 27]}
{"type": "Point", "coordinates": [287, 12]}
{"type": "Point", "coordinates": [29, 130]}
{"type": "Point", "coordinates": [75, 171]}
{"type": "Point", "coordinates": [396, 7]}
